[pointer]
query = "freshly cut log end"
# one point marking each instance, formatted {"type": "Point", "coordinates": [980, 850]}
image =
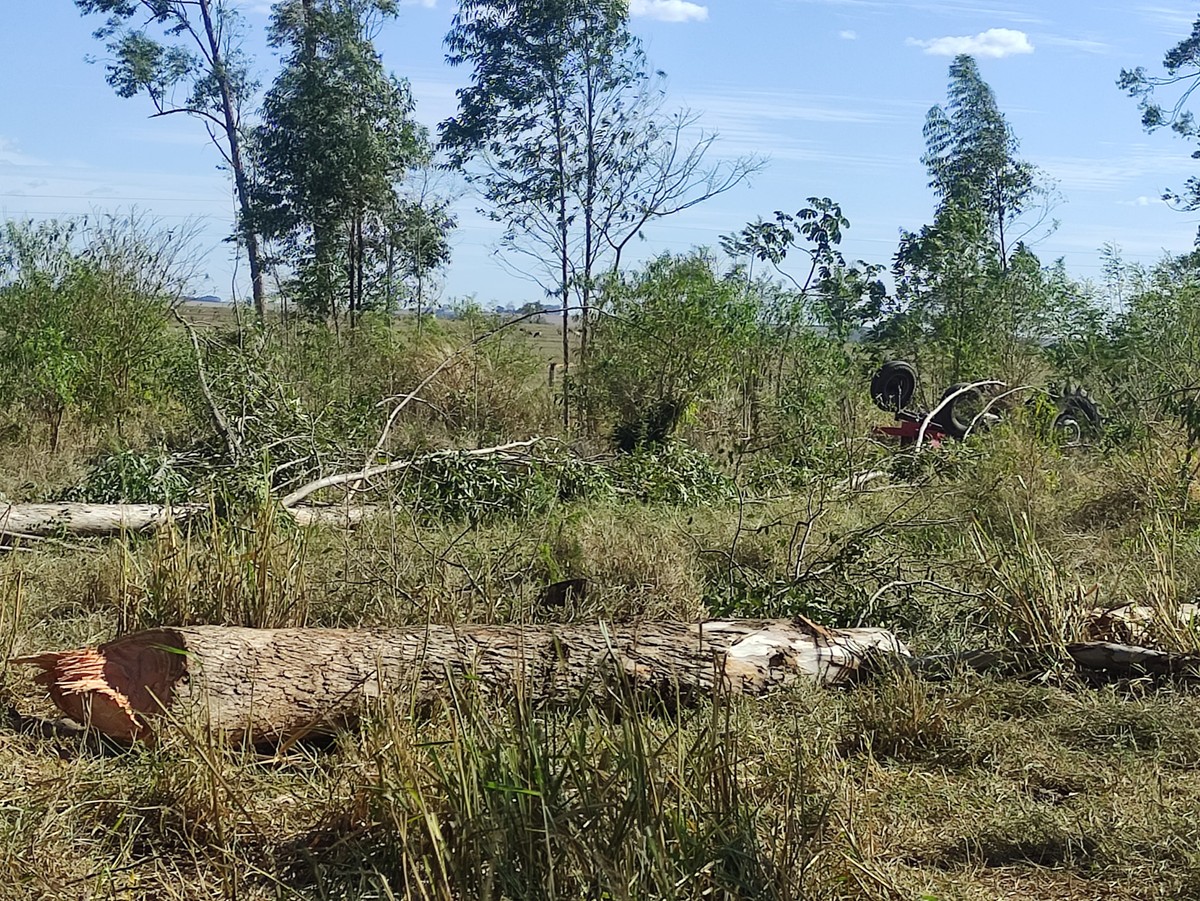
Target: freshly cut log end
{"type": "Point", "coordinates": [261, 685]}
{"type": "Point", "coordinates": [113, 688]}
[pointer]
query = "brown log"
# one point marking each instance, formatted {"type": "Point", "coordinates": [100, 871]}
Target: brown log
{"type": "Point", "coordinates": [261, 685]}
{"type": "Point", "coordinates": [1115, 659]}
{"type": "Point", "coordinates": [98, 520]}
{"type": "Point", "coordinates": [1128, 660]}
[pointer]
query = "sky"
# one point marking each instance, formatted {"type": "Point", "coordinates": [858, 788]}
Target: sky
{"type": "Point", "coordinates": [832, 93]}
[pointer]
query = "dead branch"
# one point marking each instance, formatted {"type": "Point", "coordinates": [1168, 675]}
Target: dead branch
{"type": "Point", "coordinates": [346, 478]}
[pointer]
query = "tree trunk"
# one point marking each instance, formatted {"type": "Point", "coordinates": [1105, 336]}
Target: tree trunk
{"type": "Point", "coordinates": [263, 685]}
{"type": "Point", "coordinates": [240, 181]}
{"type": "Point", "coordinates": [97, 520]}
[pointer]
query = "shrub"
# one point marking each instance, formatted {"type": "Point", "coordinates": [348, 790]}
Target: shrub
{"type": "Point", "coordinates": [83, 315]}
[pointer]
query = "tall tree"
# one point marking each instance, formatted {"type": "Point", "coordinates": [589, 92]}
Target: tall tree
{"type": "Point", "coordinates": [953, 288]}
{"type": "Point", "coordinates": [336, 136]}
{"type": "Point", "coordinates": [186, 56]}
{"type": "Point", "coordinates": [1182, 66]}
{"type": "Point", "coordinates": [562, 130]}
{"type": "Point", "coordinates": [971, 155]}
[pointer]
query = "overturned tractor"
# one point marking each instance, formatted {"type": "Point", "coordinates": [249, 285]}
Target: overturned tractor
{"type": "Point", "coordinates": [967, 407]}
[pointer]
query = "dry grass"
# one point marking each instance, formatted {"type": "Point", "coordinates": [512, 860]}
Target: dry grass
{"type": "Point", "coordinates": [967, 788]}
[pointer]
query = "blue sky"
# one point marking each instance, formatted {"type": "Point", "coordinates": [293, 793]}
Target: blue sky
{"type": "Point", "coordinates": [833, 92]}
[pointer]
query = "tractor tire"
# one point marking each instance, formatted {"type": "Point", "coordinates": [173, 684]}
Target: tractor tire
{"type": "Point", "coordinates": [893, 386]}
{"type": "Point", "coordinates": [956, 418]}
{"type": "Point", "coordinates": [1078, 417]}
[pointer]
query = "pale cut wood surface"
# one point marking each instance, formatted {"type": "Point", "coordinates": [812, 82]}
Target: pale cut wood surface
{"type": "Point", "coordinates": [97, 520]}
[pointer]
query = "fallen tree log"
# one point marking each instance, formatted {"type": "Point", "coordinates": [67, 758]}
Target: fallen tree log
{"type": "Point", "coordinates": [89, 519]}
{"type": "Point", "coordinates": [1122, 661]}
{"type": "Point", "coordinates": [270, 684]}
{"type": "Point", "coordinates": [98, 520]}
{"type": "Point", "coordinates": [1130, 661]}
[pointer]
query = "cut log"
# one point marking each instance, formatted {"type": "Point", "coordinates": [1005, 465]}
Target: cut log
{"type": "Point", "coordinates": [1127, 660]}
{"type": "Point", "coordinates": [98, 520]}
{"type": "Point", "coordinates": [261, 685]}
{"type": "Point", "coordinates": [1111, 658]}
{"type": "Point", "coordinates": [89, 519]}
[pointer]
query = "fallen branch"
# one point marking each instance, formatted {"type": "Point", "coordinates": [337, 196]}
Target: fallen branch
{"type": "Point", "coordinates": [261, 685]}
{"type": "Point", "coordinates": [948, 399]}
{"type": "Point", "coordinates": [414, 394]}
{"type": "Point", "coordinates": [1128, 660]}
{"type": "Point", "coordinates": [360, 475]}
{"type": "Point", "coordinates": [233, 446]}
{"type": "Point", "coordinates": [1118, 660]}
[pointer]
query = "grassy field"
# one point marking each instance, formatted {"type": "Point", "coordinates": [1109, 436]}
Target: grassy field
{"type": "Point", "coordinates": [1031, 785]}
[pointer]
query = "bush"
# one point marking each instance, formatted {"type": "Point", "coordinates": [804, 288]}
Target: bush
{"type": "Point", "coordinates": [675, 333]}
{"type": "Point", "coordinates": [83, 312]}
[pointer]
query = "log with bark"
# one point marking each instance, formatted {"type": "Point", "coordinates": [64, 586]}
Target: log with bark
{"type": "Point", "coordinates": [270, 684]}
{"type": "Point", "coordinates": [98, 520]}
{"type": "Point", "coordinates": [95, 520]}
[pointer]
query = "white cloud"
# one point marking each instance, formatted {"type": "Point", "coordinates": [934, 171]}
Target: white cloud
{"type": "Point", "coordinates": [669, 10]}
{"type": "Point", "coordinates": [1138, 168]}
{"type": "Point", "coordinates": [428, 4]}
{"type": "Point", "coordinates": [1009, 11]}
{"type": "Point", "coordinates": [848, 35]}
{"type": "Point", "coordinates": [995, 42]}
{"type": "Point", "coordinates": [1169, 19]}
{"type": "Point", "coordinates": [785, 106]}
{"type": "Point", "coordinates": [1142, 200]}
{"type": "Point", "coordinates": [764, 122]}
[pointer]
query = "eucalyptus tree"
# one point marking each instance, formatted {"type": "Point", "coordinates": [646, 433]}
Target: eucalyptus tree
{"type": "Point", "coordinates": [1182, 66]}
{"type": "Point", "coordinates": [971, 154]}
{"type": "Point", "coordinates": [562, 129]}
{"type": "Point", "coordinates": [952, 276]}
{"type": "Point", "coordinates": [336, 136]}
{"type": "Point", "coordinates": [186, 57]}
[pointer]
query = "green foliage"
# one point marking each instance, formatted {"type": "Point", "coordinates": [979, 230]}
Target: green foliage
{"type": "Point", "coordinates": [841, 298]}
{"type": "Point", "coordinates": [336, 136]}
{"type": "Point", "coordinates": [82, 316]}
{"type": "Point", "coordinates": [971, 155]}
{"type": "Point", "coordinates": [158, 66]}
{"type": "Point", "coordinates": [186, 57]}
{"type": "Point", "coordinates": [673, 476]}
{"type": "Point", "coordinates": [133, 477]}
{"type": "Point", "coordinates": [563, 116]}
{"type": "Point", "coordinates": [971, 299]}
{"type": "Point", "coordinates": [1153, 359]}
{"type": "Point", "coordinates": [674, 333]}
{"type": "Point", "coordinates": [454, 488]}
{"type": "Point", "coordinates": [557, 103]}
{"type": "Point", "coordinates": [1182, 66]}
{"type": "Point", "coordinates": [305, 401]}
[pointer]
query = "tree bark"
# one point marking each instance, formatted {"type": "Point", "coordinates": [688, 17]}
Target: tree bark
{"type": "Point", "coordinates": [241, 182]}
{"type": "Point", "coordinates": [97, 520]}
{"type": "Point", "coordinates": [255, 685]}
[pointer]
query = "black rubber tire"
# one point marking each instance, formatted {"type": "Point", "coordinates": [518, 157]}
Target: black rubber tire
{"type": "Point", "coordinates": [1077, 412]}
{"type": "Point", "coordinates": [956, 417]}
{"type": "Point", "coordinates": [893, 386]}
